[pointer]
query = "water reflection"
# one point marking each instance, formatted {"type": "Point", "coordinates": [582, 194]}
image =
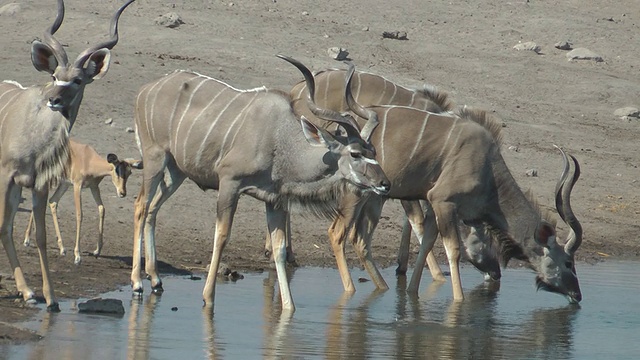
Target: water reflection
{"type": "Point", "coordinates": [507, 323]}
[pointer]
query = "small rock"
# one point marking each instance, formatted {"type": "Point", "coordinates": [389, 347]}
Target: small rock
{"type": "Point", "coordinates": [338, 53]}
{"type": "Point", "coordinates": [583, 54]}
{"type": "Point", "coordinates": [362, 280]}
{"type": "Point", "coordinates": [109, 121]}
{"type": "Point", "coordinates": [170, 20]}
{"type": "Point", "coordinates": [532, 173]}
{"type": "Point", "coordinates": [627, 112]}
{"type": "Point", "coordinates": [528, 46]}
{"type": "Point", "coordinates": [366, 28]}
{"type": "Point", "coordinates": [514, 148]}
{"type": "Point", "coordinates": [130, 129]}
{"type": "Point", "coordinates": [101, 306]}
{"type": "Point", "coordinates": [305, 13]}
{"type": "Point", "coordinates": [397, 35]}
{"type": "Point", "coordinates": [10, 9]}
{"type": "Point", "coordinates": [175, 308]}
{"type": "Point", "coordinates": [563, 45]}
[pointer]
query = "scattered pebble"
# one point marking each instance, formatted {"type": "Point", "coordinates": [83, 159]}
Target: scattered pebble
{"type": "Point", "coordinates": [170, 20]}
{"type": "Point", "coordinates": [363, 280]}
{"type": "Point", "coordinates": [101, 306]}
{"type": "Point", "coordinates": [528, 46]}
{"type": "Point", "coordinates": [583, 54]}
{"type": "Point", "coordinates": [563, 45]}
{"type": "Point", "coordinates": [532, 173]}
{"type": "Point", "coordinates": [514, 148]}
{"type": "Point", "coordinates": [109, 121]}
{"type": "Point", "coordinates": [338, 53]}
{"type": "Point", "coordinates": [175, 308]}
{"type": "Point", "coordinates": [397, 35]}
{"type": "Point", "coordinates": [129, 129]}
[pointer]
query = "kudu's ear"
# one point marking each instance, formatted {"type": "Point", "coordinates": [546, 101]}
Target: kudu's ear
{"type": "Point", "coordinates": [112, 158]}
{"type": "Point", "coordinates": [43, 57]}
{"type": "Point", "coordinates": [316, 136]}
{"type": "Point", "coordinates": [98, 64]}
{"type": "Point", "coordinates": [545, 234]}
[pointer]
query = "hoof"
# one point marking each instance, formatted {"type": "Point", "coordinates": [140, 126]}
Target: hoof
{"type": "Point", "coordinates": [96, 253]}
{"type": "Point", "coordinates": [291, 259]}
{"type": "Point", "coordinates": [26, 242]}
{"type": "Point", "coordinates": [137, 292]}
{"type": "Point", "coordinates": [157, 289]}
{"type": "Point", "coordinates": [77, 261]}
{"type": "Point", "coordinates": [53, 308]}
{"type": "Point", "coordinates": [63, 252]}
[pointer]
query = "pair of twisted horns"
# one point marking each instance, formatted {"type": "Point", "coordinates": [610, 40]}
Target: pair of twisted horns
{"type": "Point", "coordinates": [563, 202]}
{"type": "Point", "coordinates": [59, 52]}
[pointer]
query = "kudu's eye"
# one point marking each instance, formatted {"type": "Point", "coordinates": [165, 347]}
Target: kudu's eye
{"type": "Point", "coordinates": [569, 265]}
{"type": "Point", "coordinates": [356, 155]}
{"type": "Point", "coordinates": [77, 81]}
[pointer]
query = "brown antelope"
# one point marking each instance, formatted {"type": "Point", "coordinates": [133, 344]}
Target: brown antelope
{"type": "Point", "coordinates": [34, 136]}
{"type": "Point", "coordinates": [454, 163]}
{"type": "Point", "coordinates": [86, 170]}
{"type": "Point", "coordinates": [240, 141]}
{"type": "Point", "coordinates": [373, 89]}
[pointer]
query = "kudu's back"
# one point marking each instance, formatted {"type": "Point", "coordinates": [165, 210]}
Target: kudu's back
{"type": "Point", "coordinates": [205, 124]}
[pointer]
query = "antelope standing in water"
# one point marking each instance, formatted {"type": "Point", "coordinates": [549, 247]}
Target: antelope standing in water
{"type": "Point", "coordinates": [34, 136]}
{"type": "Point", "coordinates": [453, 162]}
{"type": "Point", "coordinates": [240, 141]}
{"type": "Point", "coordinates": [86, 169]}
{"type": "Point", "coordinates": [368, 90]}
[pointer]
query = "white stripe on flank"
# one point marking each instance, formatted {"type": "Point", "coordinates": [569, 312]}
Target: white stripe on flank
{"type": "Point", "coordinates": [382, 133]}
{"type": "Point", "coordinates": [193, 122]}
{"type": "Point", "coordinates": [14, 83]}
{"type": "Point", "coordinates": [393, 96]}
{"type": "Point", "coordinates": [257, 89]}
{"type": "Point", "coordinates": [149, 112]}
{"type": "Point", "coordinates": [420, 135]}
{"type": "Point", "coordinates": [444, 146]}
{"type": "Point", "coordinates": [7, 113]}
{"type": "Point", "coordinates": [413, 98]}
{"type": "Point", "coordinates": [186, 109]}
{"type": "Point", "coordinates": [204, 140]}
{"type": "Point", "coordinates": [231, 126]}
{"type": "Point", "coordinates": [382, 93]}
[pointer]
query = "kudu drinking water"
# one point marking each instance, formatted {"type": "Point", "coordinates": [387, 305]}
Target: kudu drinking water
{"type": "Point", "coordinates": [240, 141]}
{"type": "Point", "coordinates": [454, 163]}
{"type": "Point", "coordinates": [368, 90]}
{"type": "Point", "coordinates": [34, 136]}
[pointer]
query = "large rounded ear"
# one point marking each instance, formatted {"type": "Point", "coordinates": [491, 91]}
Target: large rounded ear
{"type": "Point", "coordinates": [316, 136]}
{"type": "Point", "coordinates": [43, 57]}
{"type": "Point", "coordinates": [98, 64]}
{"type": "Point", "coordinates": [545, 234]}
{"type": "Point", "coordinates": [112, 158]}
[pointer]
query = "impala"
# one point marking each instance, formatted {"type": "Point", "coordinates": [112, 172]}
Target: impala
{"type": "Point", "coordinates": [86, 170]}
{"type": "Point", "coordinates": [34, 136]}
{"type": "Point", "coordinates": [453, 162]}
{"type": "Point", "coordinates": [240, 141]}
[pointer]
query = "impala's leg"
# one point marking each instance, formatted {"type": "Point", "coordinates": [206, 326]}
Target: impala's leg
{"type": "Point", "coordinates": [415, 215]}
{"type": "Point", "coordinates": [27, 233]}
{"type": "Point", "coordinates": [226, 208]}
{"type": "Point", "coordinates": [53, 205]}
{"type": "Point", "coordinates": [95, 191]}
{"type": "Point", "coordinates": [277, 223]}
{"type": "Point", "coordinates": [430, 233]}
{"type": "Point", "coordinates": [39, 199]}
{"type": "Point", "coordinates": [77, 197]}
{"type": "Point", "coordinates": [9, 200]}
{"type": "Point", "coordinates": [362, 234]}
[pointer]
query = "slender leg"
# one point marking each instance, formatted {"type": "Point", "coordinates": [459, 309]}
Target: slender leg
{"type": "Point", "coordinates": [415, 215]}
{"type": "Point", "coordinates": [337, 236]}
{"type": "Point", "coordinates": [39, 199]}
{"type": "Point", "coordinates": [226, 207]}
{"type": "Point", "coordinates": [277, 223]}
{"type": "Point", "coordinates": [447, 221]}
{"type": "Point", "coordinates": [77, 196]}
{"type": "Point", "coordinates": [10, 198]}
{"type": "Point", "coordinates": [362, 234]}
{"type": "Point", "coordinates": [291, 258]}
{"type": "Point", "coordinates": [27, 233]}
{"type": "Point", "coordinates": [53, 205]}
{"type": "Point", "coordinates": [95, 191]}
{"type": "Point", "coordinates": [403, 250]}
{"type": "Point", "coordinates": [430, 233]}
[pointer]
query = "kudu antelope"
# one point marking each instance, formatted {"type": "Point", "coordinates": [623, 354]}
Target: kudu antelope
{"type": "Point", "coordinates": [372, 88]}
{"type": "Point", "coordinates": [86, 170]}
{"type": "Point", "coordinates": [240, 141]}
{"type": "Point", "coordinates": [34, 136]}
{"type": "Point", "coordinates": [454, 163]}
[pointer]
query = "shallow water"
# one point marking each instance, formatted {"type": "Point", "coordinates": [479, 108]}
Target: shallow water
{"type": "Point", "coordinates": [514, 322]}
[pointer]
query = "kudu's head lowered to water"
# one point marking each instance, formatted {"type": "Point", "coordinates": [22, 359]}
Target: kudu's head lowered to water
{"type": "Point", "coordinates": [556, 267]}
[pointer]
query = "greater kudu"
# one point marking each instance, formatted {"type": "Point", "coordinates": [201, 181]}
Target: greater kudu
{"type": "Point", "coordinates": [370, 89]}
{"type": "Point", "coordinates": [34, 136]}
{"type": "Point", "coordinates": [454, 163]}
{"type": "Point", "coordinates": [86, 169]}
{"type": "Point", "coordinates": [240, 141]}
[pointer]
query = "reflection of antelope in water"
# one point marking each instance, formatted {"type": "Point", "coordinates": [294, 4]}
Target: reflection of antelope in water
{"type": "Point", "coordinates": [34, 137]}
{"type": "Point", "coordinates": [368, 90]}
{"type": "Point", "coordinates": [141, 315]}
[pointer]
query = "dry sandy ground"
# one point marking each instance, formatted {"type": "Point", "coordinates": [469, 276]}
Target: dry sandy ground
{"type": "Point", "coordinates": [463, 47]}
